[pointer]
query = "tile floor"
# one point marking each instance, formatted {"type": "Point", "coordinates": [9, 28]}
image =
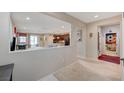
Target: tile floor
{"type": "Point", "coordinates": [87, 71]}
{"type": "Point", "coordinates": [50, 77]}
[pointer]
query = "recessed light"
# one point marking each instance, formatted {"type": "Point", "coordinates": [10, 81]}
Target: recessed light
{"type": "Point", "coordinates": [96, 16]}
{"type": "Point", "coordinates": [27, 18]}
{"type": "Point", "coordinates": [62, 26]}
{"type": "Point", "coordinates": [24, 28]}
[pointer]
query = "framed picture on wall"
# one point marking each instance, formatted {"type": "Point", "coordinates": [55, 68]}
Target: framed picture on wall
{"type": "Point", "coordinates": [111, 41]}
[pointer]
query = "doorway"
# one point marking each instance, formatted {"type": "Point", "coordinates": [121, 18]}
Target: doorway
{"type": "Point", "coordinates": [109, 43]}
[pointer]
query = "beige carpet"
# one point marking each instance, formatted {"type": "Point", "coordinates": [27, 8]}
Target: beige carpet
{"type": "Point", "coordinates": [89, 71]}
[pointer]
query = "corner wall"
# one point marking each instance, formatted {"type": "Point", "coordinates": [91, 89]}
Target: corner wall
{"type": "Point", "coordinates": [4, 38]}
{"type": "Point", "coordinates": [122, 52]}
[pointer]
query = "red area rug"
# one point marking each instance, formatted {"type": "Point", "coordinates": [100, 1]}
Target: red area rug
{"type": "Point", "coordinates": [113, 59]}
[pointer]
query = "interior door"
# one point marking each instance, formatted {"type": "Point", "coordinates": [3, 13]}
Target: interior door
{"type": "Point", "coordinates": [99, 41]}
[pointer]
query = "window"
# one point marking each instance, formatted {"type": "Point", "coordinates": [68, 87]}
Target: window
{"type": "Point", "coordinates": [22, 39]}
{"type": "Point", "coordinates": [33, 40]}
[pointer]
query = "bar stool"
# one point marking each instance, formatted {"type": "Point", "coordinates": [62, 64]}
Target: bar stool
{"type": "Point", "coordinates": [6, 72]}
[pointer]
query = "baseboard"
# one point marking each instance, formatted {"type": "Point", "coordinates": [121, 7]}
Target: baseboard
{"type": "Point", "coordinates": [82, 58]}
{"type": "Point", "coordinates": [88, 59]}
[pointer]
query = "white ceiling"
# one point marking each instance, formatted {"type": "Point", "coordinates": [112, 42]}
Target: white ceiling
{"type": "Point", "coordinates": [88, 17]}
{"type": "Point", "coordinates": [41, 23]}
{"type": "Point", "coordinates": [38, 23]}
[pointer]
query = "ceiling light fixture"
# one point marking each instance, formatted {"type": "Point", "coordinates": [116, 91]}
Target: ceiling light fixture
{"type": "Point", "coordinates": [27, 18]}
{"type": "Point", "coordinates": [63, 26]}
{"type": "Point", "coordinates": [24, 28]}
{"type": "Point", "coordinates": [96, 16]}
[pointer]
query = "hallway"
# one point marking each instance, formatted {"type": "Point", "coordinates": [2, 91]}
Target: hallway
{"type": "Point", "coordinates": [39, 44]}
{"type": "Point", "coordinates": [51, 46]}
{"type": "Point", "coordinates": [87, 71]}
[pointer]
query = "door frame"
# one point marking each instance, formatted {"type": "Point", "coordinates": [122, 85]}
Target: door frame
{"type": "Point", "coordinates": [98, 37]}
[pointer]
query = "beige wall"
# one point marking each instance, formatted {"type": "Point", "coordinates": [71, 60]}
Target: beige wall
{"type": "Point", "coordinates": [123, 36]}
{"type": "Point", "coordinates": [91, 46]}
{"type": "Point", "coordinates": [122, 56]}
